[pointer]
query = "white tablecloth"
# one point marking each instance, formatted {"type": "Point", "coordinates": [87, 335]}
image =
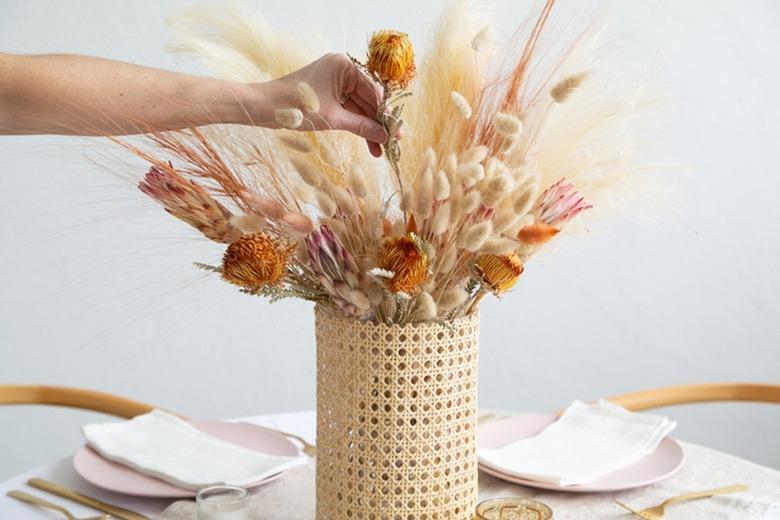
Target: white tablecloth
{"type": "Point", "coordinates": [704, 468]}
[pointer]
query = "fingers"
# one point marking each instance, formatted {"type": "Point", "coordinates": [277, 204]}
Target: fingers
{"type": "Point", "coordinates": [352, 119]}
{"type": "Point", "coordinates": [373, 147]}
{"type": "Point", "coordinates": [364, 87]}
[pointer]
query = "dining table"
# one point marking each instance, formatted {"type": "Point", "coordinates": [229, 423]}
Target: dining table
{"type": "Point", "coordinates": [292, 496]}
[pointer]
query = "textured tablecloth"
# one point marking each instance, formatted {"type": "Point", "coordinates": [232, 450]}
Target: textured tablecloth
{"type": "Point", "coordinates": [292, 497]}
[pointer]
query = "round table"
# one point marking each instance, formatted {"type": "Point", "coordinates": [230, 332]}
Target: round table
{"type": "Point", "coordinates": [292, 497]}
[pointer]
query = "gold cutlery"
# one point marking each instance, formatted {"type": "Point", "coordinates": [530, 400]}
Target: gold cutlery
{"type": "Point", "coordinates": [36, 501]}
{"type": "Point", "coordinates": [656, 512]}
{"type": "Point", "coordinates": [61, 491]}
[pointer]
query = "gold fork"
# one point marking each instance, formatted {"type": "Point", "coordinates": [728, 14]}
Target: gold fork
{"type": "Point", "coordinates": [656, 512]}
{"type": "Point", "coordinates": [307, 448]}
{"type": "Point", "coordinates": [32, 499]}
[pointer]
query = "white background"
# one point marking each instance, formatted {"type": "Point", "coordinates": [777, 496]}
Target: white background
{"type": "Point", "coordinates": [97, 290]}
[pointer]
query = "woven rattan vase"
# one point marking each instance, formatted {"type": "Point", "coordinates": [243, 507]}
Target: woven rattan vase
{"type": "Point", "coordinates": [396, 419]}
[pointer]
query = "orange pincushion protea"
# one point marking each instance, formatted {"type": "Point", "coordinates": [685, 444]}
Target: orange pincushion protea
{"type": "Point", "coordinates": [500, 272]}
{"type": "Point", "coordinates": [255, 260]}
{"type": "Point", "coordinates": [391, 58]}
{"type": "Point", "coordinates": [408, 262]}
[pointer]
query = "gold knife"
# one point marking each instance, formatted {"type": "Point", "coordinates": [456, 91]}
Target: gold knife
{"type": "Point", "coordinates": [56, 489]}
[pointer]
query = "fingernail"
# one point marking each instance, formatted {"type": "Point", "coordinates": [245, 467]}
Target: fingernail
{"type": "Point", "coordinates": [378, 135]}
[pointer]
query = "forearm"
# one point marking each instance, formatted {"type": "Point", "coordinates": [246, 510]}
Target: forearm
{"type": "Point", "coordinates": [79, 95]}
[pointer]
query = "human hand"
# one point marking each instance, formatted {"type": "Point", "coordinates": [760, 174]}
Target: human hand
{"type": "Point", "coordinates": [348, 100]}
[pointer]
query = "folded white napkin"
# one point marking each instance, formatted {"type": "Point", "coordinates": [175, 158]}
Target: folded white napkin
{"type": "Point", "coordinates": [587, 442]}
{"type": "Point", "coordinates": [164, 446]}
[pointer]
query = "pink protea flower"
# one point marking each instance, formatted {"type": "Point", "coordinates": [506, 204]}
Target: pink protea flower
{"type": "Point", "coordinates": [190, 202]}
{"type": "Point", "coordinates": [337, 271]}
{"type": "Point", "coordinates": [560, 203]}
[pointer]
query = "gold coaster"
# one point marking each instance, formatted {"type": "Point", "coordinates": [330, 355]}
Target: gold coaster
{"type": "Point", "coordinates": [513, 509]}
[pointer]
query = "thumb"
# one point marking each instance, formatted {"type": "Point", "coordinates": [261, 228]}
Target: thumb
{"type": "Point", "coordinates": [359, 124]}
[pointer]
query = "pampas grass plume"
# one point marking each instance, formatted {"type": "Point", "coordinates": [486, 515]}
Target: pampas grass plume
{"type": "Point", "coordinates": [288, 117]}
{"type": "Point", "coordinates": [461, 104]}
{"type": "Point", "coordinates": [407, 201]}
{"type": "Point", "coordinates": [476, 236]}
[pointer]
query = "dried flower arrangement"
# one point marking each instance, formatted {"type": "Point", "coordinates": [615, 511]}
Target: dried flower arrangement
{"type": "Point", "coordinates": [492, 167]}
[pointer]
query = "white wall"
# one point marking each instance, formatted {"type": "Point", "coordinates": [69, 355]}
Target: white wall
{"type": "Point", "coordinates": [96, 288]}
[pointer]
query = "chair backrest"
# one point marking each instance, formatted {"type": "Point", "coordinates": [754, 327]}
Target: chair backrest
{"type": "Point", "coordinates": [72, 397]}
{"type": "Point", "coordinates": [685, 394]}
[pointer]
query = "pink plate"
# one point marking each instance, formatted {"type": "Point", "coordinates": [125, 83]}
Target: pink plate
{"type": "Point", "coordinates": [115, 477]}
{"type": "Point", "coordinates": [664, 462]}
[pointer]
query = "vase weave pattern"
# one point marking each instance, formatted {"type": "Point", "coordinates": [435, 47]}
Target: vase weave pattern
{"type": "Point", "coordinates": [396, 419]}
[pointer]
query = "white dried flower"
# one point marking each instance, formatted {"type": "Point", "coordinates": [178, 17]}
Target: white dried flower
{"type": "Point", "coordinates": [430, 158]}
{"type": "Point", "coordinates": [474, 154]}
{"type": "Point", "coordinates": [288, 117]}
{"type": "Point", "coordinates": [524, 202]}
{"type": "Point", "coordinates": [441, 185]}
{"type": "Point", "coordinates": [407, 201]}
{"type": "Point", "coordinates": [424, 307]}
{"type": "Point", "coordinates": [499, 246]}
{"type": "Point", "coordinates": [497, 188]}
{"type": "Point", "coordinates": [424, 195]}
{"type": "Point", "coordinates": [326, 203]}
{"type": "Point", "coordinates": [451, 165]}
{"type": "Point", "coordinates": [307, 172]}
{"type": "Point", "coordinates": [507, 124]}
{"type": "Point", "coordinates": [471, 173]}
{"type": "Point", "coordinates": [504, 221]}
{"type": "Point", "coordinates": [448, 260]}
{"type": "Point", "coordinates": [461, 104]}
{"type": "Point", "coordinates": [343, 200]}
{"type": "Point", "coordinates": [452, 298]}
{"type": "Point", "coordinates": [470, 202]}
{"type": "Point", "coordinates": [303, 192]}
{"type": "Point", "coordinates": [441, 220]}
{"type": "Point", "coordinates": [509, 143]}
{"type": "Point", "coordinates": [359, 299]}
{"type": "Point", "coordinates": [356, 183]}
{"type": "Point", "coordinates": [248, 223]}
{"type": "Point", "coordinates": [476, 236]}
{"type": "Point", "coordinates": [377, 272]}
{"type": "Point", "coordinates": [308, 97]}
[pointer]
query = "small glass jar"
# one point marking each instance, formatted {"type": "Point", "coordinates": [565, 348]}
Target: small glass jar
{"type": "Point", "coordinates": [223, 503]}
{"type": "Point", "coordinates": [513, 509]}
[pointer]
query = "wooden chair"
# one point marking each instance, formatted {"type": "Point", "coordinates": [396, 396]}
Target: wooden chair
{"type": "Point", "coordinates": [72, 397]}
{"type": "Point", "coordinates": [708, 392]}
